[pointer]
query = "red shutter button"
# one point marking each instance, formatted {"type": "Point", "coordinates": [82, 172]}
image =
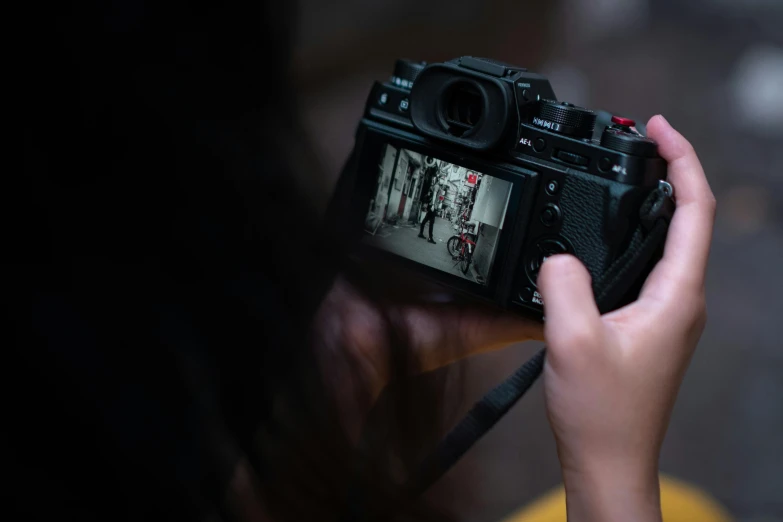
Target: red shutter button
{"type": "Point", "coordinates": [619, 120]}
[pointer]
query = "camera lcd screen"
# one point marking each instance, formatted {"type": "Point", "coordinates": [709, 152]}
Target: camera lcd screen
{"type": "Point", "coordinates": [436, 213]}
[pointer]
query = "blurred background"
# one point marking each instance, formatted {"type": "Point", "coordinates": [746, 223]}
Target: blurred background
{"type": "Point", "coordinates": [714, 68]}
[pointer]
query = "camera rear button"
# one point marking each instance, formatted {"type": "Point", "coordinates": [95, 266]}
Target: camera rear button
{"type": "Point", "coordinates": [539, 144]}
{"type": "Point", "coordinates": [552, 187]}
{"type": "Point", "coordinates": [605, 164]}
{"type": "Point", "coordinates": [526, 294]}
{"type": "Point", "coordinates": [550, 215]}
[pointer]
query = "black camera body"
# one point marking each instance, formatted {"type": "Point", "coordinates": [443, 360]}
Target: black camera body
{"type": "Point", "coordinates": [482, 156]}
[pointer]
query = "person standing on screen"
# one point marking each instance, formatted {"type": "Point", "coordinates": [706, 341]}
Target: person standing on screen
{"type": "Point", "coordinates": [431, 203]}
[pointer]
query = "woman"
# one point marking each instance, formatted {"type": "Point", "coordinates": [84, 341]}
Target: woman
{"type": "Point", "coordinates": [175, 358]}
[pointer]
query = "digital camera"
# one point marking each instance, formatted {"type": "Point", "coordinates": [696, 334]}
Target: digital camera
{"type": "Point", "coordinates": [470, 173]}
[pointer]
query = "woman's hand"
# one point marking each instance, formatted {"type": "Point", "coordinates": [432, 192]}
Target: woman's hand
{"type": "Point", "coordinates": [354, 340]}
{"type": "Point", "coordinates": [611, 381]}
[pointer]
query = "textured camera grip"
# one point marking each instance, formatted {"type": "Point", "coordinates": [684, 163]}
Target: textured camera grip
{"type": "Point", "coordinates": [598, 215]}
{"type": "Point", "coordinates": [583, 202]}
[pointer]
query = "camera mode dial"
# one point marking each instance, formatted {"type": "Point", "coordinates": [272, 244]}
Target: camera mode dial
{"type": "Point", "coordinates": [405, 73]}
{"type": "Point", "coordinates": [565, 118]}
{"type": "Point", "coordinates": [623, 138]}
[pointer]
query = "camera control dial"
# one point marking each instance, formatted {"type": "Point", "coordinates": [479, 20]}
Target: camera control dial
{"type": "Point", "coordinates": [543, 249]}
{"type": "Point", "coordinates": [405, 73]}
{"type": "Point", "coordinates": [623, 138]}
{"type": "Point", "coordinates": [565, 118]}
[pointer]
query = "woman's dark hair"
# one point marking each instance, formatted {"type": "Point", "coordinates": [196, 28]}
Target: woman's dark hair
{"type": "Point", "coordinates": [167, 271]}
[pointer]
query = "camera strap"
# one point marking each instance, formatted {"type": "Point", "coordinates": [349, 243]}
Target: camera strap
{"type": "Point", "coordinates": [610, 289]}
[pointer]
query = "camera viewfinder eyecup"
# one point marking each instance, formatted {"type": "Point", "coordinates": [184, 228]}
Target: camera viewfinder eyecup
{"type": "Point", "coordinates": [461, 107]}
{"type": "Point", "coordinates": [471, 109]}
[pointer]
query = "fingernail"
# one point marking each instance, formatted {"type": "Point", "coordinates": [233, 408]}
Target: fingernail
{"type": "Point", "coordinates": [559, 256]}
{"type": "Point", "coordinates": [664, 120]}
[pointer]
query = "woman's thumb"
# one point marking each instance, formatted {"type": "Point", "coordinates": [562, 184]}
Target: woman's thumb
{"type": "Point", "coordinates": [572, 317]}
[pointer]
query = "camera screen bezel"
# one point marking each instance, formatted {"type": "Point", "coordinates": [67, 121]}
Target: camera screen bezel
{"type": "Point", "coordinates": [374, 136]}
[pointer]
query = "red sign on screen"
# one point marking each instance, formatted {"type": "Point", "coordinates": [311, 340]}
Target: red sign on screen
{"type": "Point", "coordinates": [472, 178]}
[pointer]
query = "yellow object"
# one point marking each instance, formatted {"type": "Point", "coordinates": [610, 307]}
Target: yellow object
{"type": "Point", "coordinates": [680, 502]}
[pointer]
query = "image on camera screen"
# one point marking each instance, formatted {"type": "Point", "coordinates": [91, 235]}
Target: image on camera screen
{"type": "Point", "coordinates": [437, 213]}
